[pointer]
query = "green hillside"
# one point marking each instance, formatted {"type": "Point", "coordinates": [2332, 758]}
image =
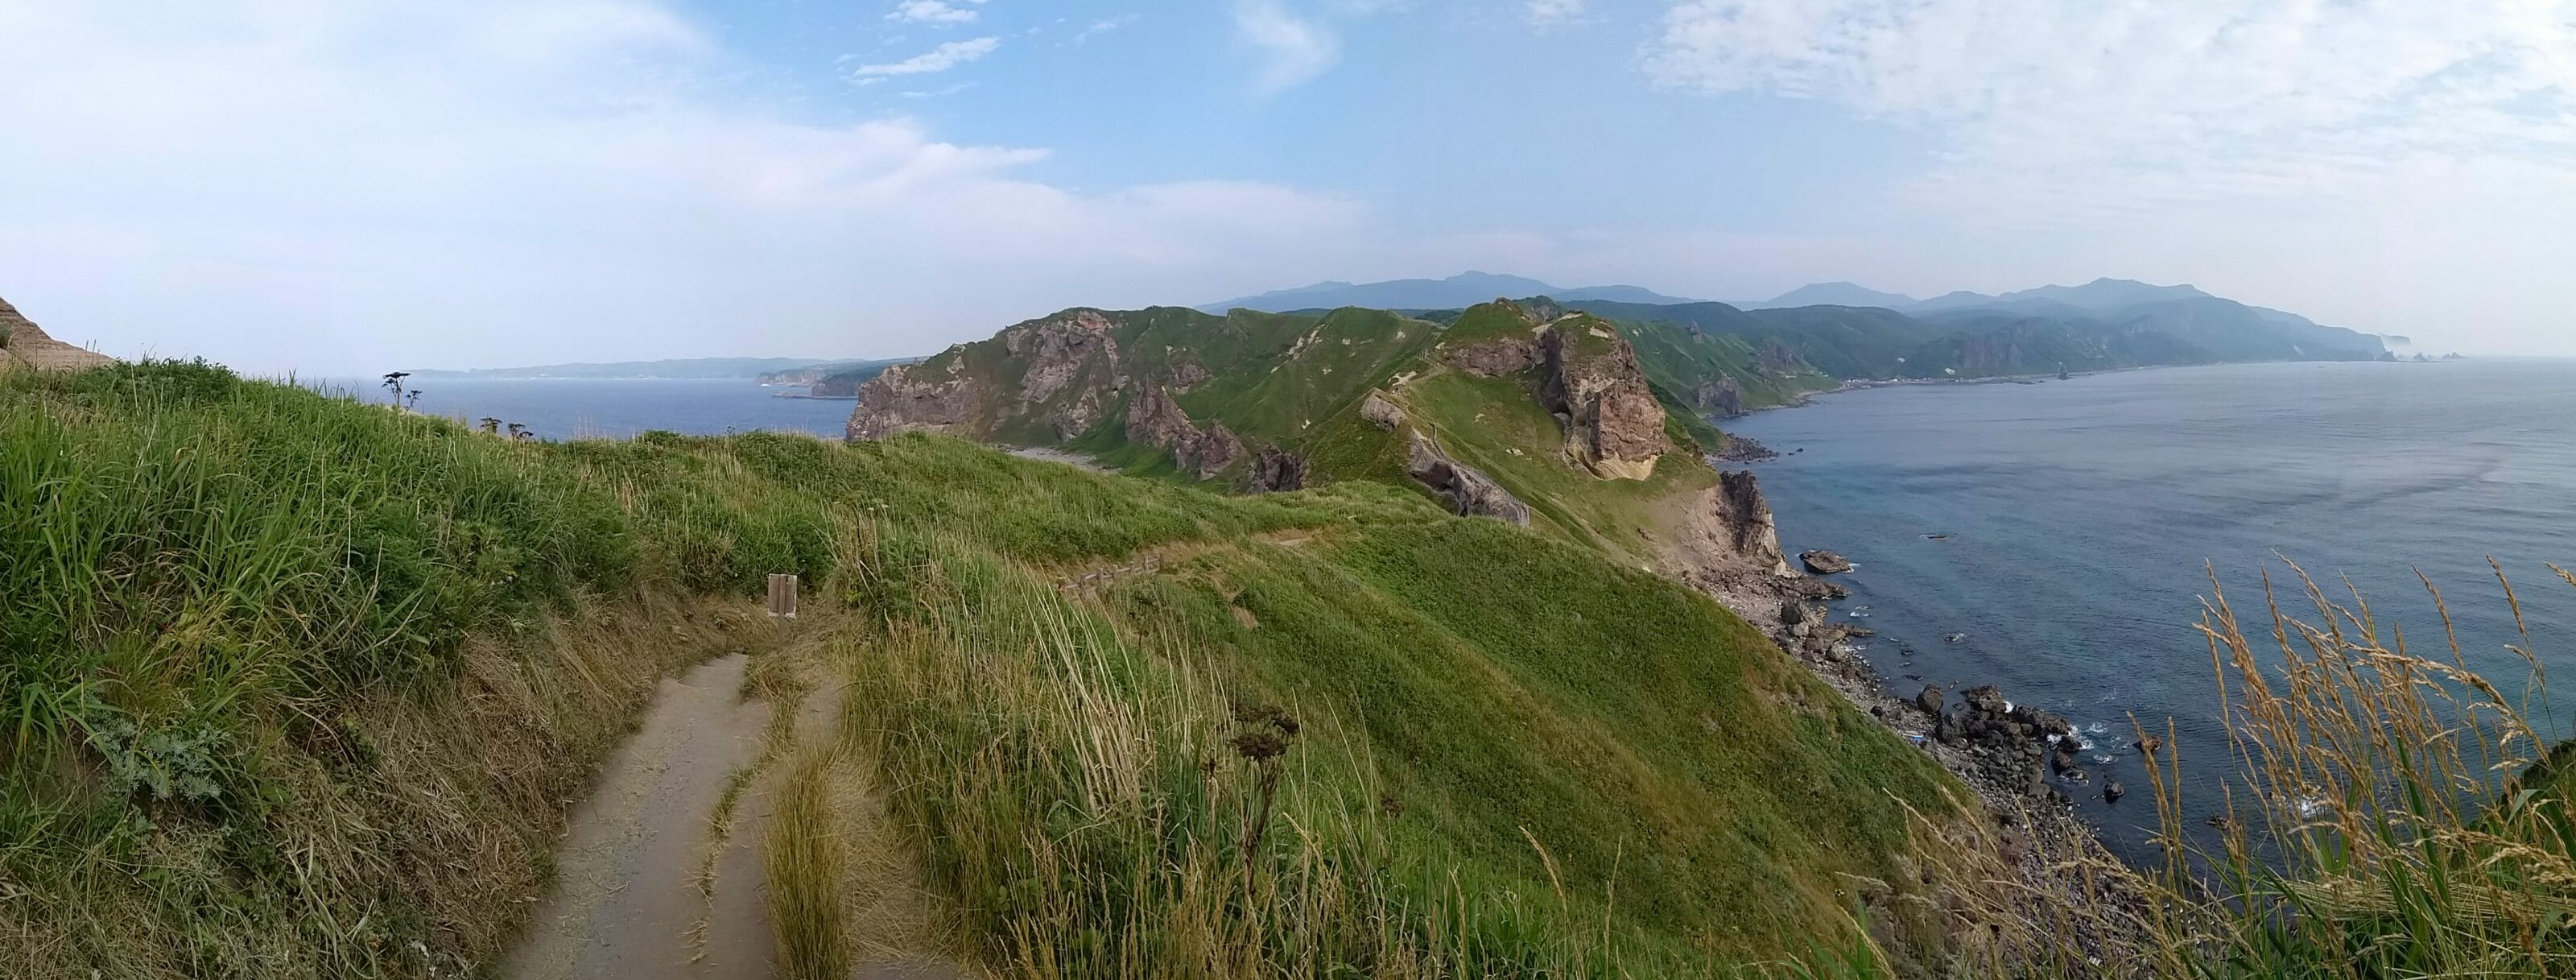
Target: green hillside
{"type": "Point", "coordinates": [326, 673]}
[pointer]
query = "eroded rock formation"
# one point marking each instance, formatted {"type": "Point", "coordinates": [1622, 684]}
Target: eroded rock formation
{"type": "Point", "coordinates": [1154, 419]}
{"type": "Point", "coordinates": [1742, 519]}
{"type": "Point", "coordinates": [22, 343]}
{"type": "Point", "coordinates": [1275, 471]}
{"type": "Point", "coordinates": [916, 398]}
{"type": "Point", "coordinates": [1613, 424]}
{"type": "Point", "coordinates": [1467, 491]}
{"type": "Point", "coordinates": [1719, 397]}
{"type": "Point", "coordinates": [1380, 412]}
{"type": "Point", "coordinates": [1495, 358]}
{"type": "Point", "coordinates": [1056, 350]}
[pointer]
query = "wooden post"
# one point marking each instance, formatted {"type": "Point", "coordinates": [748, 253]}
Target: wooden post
{"type": "Point", "coordinates": [782, 596]}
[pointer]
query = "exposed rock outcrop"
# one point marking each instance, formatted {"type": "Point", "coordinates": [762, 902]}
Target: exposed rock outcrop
{"type": "Point", "coordinates": [1380, 412]}
{"type": "Point", "coordinates": [1721, 396]}
{"type": "Point", "coordinates": [1495, 358]}
{"type": "Point", "coordinates": [1744, 521]}
{"type": "Point", "coordinates": [1613, 424]}
{"type": "Point", "coordinates": [1154, 419]}
{"type": "Point", "coordinates": [1275, 471]}
{"type": "Point", "coordinates": [1824, 562]}
{"type": "Point", "coordinates": [1467, 491]}
{"type": "Point", "coordinates": [1068, 363]}
{"type": "Point", "coordinates": [1057, 348]}
{"type": "Point", "coordinates": [22, 343]}
{"type": "Point", "coordinates": [916, 398]}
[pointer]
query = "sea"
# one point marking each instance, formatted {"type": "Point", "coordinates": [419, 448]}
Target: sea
{"type": "Point", "coordinates": [2061, 539]}
{"type": "Point", "coordinates": [586, 408]}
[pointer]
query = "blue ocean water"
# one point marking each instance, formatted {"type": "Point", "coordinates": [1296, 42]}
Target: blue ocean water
{"type": "Point", "coordinates": [559, 408]}
{"type": "Point", "coordinates": [2084, 517]}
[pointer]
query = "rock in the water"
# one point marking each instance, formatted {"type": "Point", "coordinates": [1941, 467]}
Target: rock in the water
{"type": "Point", "coordinates": [1930, 699]}
{"type": "Point", "coordinates": [1824, 562]}
{"type": "Point", "coordinates": [2148, 744]}
{"type": "Point", "coordinates": [2111, 791]}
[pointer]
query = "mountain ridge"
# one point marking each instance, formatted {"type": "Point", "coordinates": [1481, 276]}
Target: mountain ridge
{"type": "Point", "coordinates": [1454, 292]}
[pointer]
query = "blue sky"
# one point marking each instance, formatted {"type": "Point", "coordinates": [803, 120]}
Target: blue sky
{"type": "Point", "coordinates": [330, 186]}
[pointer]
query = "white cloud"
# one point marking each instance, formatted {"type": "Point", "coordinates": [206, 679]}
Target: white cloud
{"type": "Point", "coordinates": [310, 184]}
{"type": "Point", "coordinates": [1100, 27]}
{"type": "Point", "coordinates": [938, 59]}
{"type": "Point", "coordinates": [934, 12]}
{"type": "Point", "coordinates": [1549, 13]}
{"type": "Point", "coordinates": [1294, 49]}
{"type": "Point", "coordinates": [2119, 108]}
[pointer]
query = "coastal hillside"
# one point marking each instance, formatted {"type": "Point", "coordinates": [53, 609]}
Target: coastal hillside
{"type": "Point", "coordinates": [1527, 412]}
{"type": "Point", "coordinates": [334, 671]}
{"type": "Point", "coordinates": [22, 344]}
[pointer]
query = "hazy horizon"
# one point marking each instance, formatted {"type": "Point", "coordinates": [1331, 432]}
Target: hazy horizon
{"type": "Point", "coordinates": [316, 187]}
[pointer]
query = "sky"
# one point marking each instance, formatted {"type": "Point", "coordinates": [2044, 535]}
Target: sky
{"type": "Point", "coordinates": [340, 187]}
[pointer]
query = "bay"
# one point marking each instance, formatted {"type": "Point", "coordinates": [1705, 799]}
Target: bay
{"type": "Point", "coordinates": [2067, 532]}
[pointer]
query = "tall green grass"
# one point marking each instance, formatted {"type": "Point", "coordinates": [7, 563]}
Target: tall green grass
{"type": "Point", "coordinates": [1500, 757]}
{"type": "Point", "coordinates": [267, 656]}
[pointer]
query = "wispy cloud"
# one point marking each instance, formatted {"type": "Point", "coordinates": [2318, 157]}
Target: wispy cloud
{"type": "Point", "coordinates": [1550, 13]}
{"type": "Point", "coordinates": [1100, 27]}
{"type": "Point", "coordinates": [2119, 107]}
{"type": "Point", "coordinates": [935, 11]}
{"type": "Point", "coordinates": [938, 59]}
{"type": "Point", "coordinates": [1294, 49]}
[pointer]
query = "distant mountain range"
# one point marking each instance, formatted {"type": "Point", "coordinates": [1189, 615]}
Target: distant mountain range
{"type": "Point", "coordinates": [1456, 292]}
{"type": "Point", "coordinates": [1845, 330]}
{"type": "Point", "coordinates": [683, 369]}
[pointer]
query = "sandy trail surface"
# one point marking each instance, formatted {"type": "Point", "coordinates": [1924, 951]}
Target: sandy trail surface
{"type": "Point", "coordinates": [626, 902]}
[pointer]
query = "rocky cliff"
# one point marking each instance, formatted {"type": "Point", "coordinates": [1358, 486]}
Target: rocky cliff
{"type": "Point", "coordinates": [1154, 419]}
{"type": "Point", "coordinates": [1613, 424]}
{"type": "Point", "coordinates": [23, 343]}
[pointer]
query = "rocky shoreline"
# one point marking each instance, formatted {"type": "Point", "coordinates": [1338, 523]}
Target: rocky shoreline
{"type": "Point", "coordinates": [2022, 763]}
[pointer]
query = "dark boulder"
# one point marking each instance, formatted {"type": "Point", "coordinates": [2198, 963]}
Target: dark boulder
{"type": "Point", "coordinates": [1824, 562]}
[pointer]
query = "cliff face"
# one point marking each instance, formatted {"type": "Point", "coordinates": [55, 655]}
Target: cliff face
{"type": "Point", "coordinates": [1154, 419]}
{"type": "Point", "coordinates": [22, 343]}
{"type": "Point", "coordinates": [1614, 425]}
{"type": "Point", "coordinates": [1065, 365]}
{"type": "Point", "coordinates": [898, 401]}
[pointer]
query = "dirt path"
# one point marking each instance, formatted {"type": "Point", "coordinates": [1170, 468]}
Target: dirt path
{"type": "Point", "coordinates": [649, 887]}
{"type": "Point", "coordinates": [626, 903]}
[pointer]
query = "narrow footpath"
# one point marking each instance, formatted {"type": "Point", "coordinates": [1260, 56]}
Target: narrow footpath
{"type": "Point", "coordinates": [664, 874]}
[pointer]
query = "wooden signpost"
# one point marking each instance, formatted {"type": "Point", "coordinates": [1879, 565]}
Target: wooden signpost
{"type": "Point", "coordinates": [782, 596]}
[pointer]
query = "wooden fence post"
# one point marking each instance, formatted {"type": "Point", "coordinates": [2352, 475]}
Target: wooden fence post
{"type": "Point", "coordinates": [782, 596]}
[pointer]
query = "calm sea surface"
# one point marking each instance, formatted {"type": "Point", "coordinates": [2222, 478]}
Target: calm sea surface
{"type": "Point", "coordinates": [620, 409]}
{"type": "Point", "coordinates": [2083, 517]}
